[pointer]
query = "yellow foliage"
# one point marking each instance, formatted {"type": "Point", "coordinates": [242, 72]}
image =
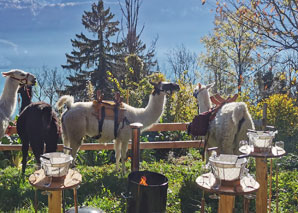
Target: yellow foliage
{"type": "Point", "coordinates": [281, 113]}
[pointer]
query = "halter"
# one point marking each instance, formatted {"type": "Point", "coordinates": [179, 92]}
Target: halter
{"type": "Point", "coordinates": [28, 92]}
{"type": "Point", "coordinates": [159, 88]}
{"type": "Point", "coordinates": [22, 80]}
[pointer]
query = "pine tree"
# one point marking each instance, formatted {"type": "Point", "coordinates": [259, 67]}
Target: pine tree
{"type": "Point", "coordinates": [93, 57]}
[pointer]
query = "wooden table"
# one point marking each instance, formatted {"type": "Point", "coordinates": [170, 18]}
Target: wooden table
{"type": "Point", "coordinates": [261, 172]}
{"type": "Point", "coordinates": [276, 152]}
{"type": "Point", "coordinates": [247, 185]}
{"type": "Point", "coordinates": [55, 187]}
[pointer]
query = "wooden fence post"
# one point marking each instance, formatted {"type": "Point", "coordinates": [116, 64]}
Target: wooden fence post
{"type": "Point", "coordinates": [135, 146]}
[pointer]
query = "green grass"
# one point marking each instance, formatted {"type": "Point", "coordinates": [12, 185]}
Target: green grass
{"type": "Point", "coordinates": [102, 187]}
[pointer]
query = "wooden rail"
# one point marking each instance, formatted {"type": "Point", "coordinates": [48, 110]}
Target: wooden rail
{"type": "Point", "coordinates": [143, 145]}
{"type": "Point", "coordinates": [168, 127]}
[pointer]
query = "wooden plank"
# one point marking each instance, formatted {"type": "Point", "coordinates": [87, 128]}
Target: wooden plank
{"type": "Point", "coordinates": [55, 201]}
{"type": "Point", "coordinates": [226, 204]}
{"type": "Point", "coordinates": [110, 146]}
{"type": "Point", "coordinates": [168, 127]}
{"type": "Point", "coordinates": [261, 176]}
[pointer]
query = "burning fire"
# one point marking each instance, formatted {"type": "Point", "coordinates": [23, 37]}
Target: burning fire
{"type": "Point", "coordinates": [143, 181]}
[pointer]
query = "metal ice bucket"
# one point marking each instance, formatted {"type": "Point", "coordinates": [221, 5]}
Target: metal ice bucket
{"type": "Point", "coordinates": [228, 167]}
{"type": "Point", "coordinates": [55, 164]}
{"type": "Point", "coordinates": [261, 141]}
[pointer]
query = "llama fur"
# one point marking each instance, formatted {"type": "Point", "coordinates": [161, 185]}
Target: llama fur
{"type": "Point", "coordinates": [37, 125]}
{"type": "Point", "coordinates": [79, 120]}
{"type": "Point", "coordinates": [8, 99]}
{"type": "Point", "coordinates": [230, 124]}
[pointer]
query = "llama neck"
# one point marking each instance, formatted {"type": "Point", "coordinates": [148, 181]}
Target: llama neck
{"type": "Point", "coordinates": [26, 100]}
{"type": "Point", "coordinates": [8, 98]}
{"type": "Point", "coordinates": [152, 112]}
{"type": "Point", "coordinates": [204, 101]}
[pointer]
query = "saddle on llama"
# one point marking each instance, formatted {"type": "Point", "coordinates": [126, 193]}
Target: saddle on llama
{"type": "Point", "coordinates": [200, 124]}
{"type": "Point", "coordinates": [109, 110]}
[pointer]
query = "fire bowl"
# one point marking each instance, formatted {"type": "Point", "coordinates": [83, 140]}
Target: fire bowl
{"type": "Point", "coordinates": [147, 192]}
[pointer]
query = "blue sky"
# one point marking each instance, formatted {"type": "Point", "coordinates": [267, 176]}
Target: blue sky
{"type": "Point", "coordinates": [34, 33]}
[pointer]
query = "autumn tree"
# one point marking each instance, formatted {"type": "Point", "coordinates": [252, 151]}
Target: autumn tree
{"type": "Point", "coordinates": [93, 54]}
{"type": "Point", "coordinates": [216, 62]}
{"type": "Point", "coordinates": [237, 43]}
{"type": "Point", "coordinates": [276, 20]}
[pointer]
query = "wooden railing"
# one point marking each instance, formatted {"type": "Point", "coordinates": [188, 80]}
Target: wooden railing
{"type": "Point", "coordinates": [143, 145]}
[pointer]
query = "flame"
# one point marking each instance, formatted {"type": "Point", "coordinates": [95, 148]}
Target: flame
{"type": "Point", "coordinates": [143, 181]}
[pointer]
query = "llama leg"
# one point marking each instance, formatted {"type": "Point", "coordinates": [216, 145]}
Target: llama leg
{"type": "Point", "coordinates": [3, 126]}
{"type": "Point", "coordinates": [66, 142]}
{"type": "Point", "coordinates": [37, 149]}
{"type": "Point", "coordinates": [52, 139]}
{"type": "Point", "coordinates": [75, 146]}
{"type": "Point", "coordinates": [117, 147]}
{"type": "Point", "coordinates": [123, 154]}
{"type": "Point", "coordinates": [25, 147]}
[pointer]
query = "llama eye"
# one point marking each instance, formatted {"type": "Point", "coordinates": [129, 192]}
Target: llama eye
{"type": "Point", "coordinates": [23, 75]}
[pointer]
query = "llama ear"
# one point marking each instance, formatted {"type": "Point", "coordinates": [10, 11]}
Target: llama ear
{"type": "Point", "coordinates": [210, 85]}
{"type": "Point", "coordinates": [199, 85]}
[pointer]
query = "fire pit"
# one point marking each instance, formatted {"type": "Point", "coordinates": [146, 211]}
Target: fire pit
{"type": "Point", "coordinates": [261, 141]}
{"type": "Point", "coordinates": [147, 192]}
{"type": "Point", "coordinates": [55, 164]}
{"type": "Point", "coordinates": [227, 169]}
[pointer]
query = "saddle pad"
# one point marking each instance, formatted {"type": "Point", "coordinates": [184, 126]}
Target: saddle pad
{"type": "Point", "coordinates": [109, 107]}
{"type": "Point", "coordinates": [200, 124]}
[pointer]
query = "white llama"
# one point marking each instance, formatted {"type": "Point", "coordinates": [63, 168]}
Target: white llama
{"type": "Point", "coordinates": [8, 99]}
{"type": "Point", "coordinates": [230, 124]}
{"type": "Point", "coordinates": [79, 120]}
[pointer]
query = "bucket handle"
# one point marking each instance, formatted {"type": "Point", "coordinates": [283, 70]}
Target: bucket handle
{"type": "Point", "coordinates": [68, 148]}
{"type": "Point", "coordinates": [126, 195]}
{"type": "Point", "coordinates": [45, 157]}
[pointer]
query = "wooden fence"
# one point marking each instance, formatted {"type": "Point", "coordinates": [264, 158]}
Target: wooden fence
{"type": "Point", "coordinates": [143, 145]}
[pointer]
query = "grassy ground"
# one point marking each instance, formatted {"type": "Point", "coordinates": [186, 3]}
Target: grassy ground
{"type": "Point", "coordinates": [102, 187]}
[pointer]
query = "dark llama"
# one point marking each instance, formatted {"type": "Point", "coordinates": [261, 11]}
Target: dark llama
{"type": "Point", "coordinates": [37, 125]}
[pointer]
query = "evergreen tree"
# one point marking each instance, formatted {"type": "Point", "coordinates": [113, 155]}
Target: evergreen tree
{"type": "Point", "coordinates": [93, 57]}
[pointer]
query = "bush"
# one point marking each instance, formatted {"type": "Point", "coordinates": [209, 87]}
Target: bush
{"type": "Point", "coordinates": [283, 115]}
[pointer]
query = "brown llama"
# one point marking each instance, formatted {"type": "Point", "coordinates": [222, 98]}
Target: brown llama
{"type": "Point", "coordinates": [37, 125]}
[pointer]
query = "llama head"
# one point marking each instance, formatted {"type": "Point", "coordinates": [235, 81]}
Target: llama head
{"type": "Point", "coordinates": [166, 87]}
{"type": "Point", "coordinates": [202, 90]}
{"type": "Point", "coordinates": [24, 78]}
{"type": "Point", "coordinates": [25, 91]}
{"type": "Point", "coordinates": [201, 93]}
